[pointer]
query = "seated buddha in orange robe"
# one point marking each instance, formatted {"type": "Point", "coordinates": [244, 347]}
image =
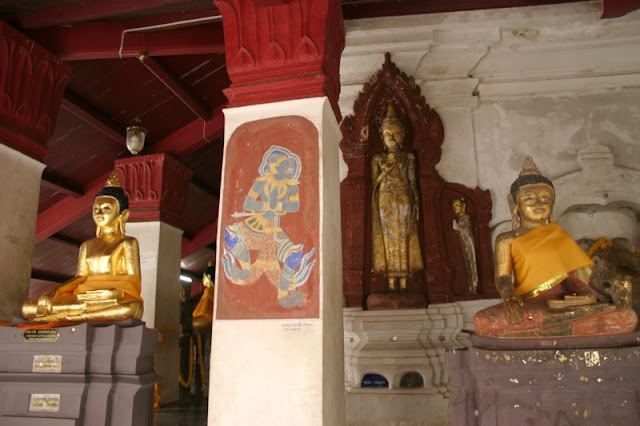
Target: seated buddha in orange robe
{"type": "Point", "coordinates": [542, 275]}
{"type": "Point", "coordinates": [107, 282]}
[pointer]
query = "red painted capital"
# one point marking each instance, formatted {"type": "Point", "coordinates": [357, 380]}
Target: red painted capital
{"type": "Point", "coordinates": [32, 83]}
{"type": "Point", "coordinates": [282, 50]}
{"type": "Point", "coordinates": [156, 185]}
{"type": "Point", "coordinates": [617, 8]}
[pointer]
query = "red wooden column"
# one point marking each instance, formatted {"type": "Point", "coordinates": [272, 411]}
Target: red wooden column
{"type": "Point", "coordinates": [32, 82]}
{"type": "Point", "coordinates": [280, 50]}
{"type": "Point", "coordinates": [278, 303]}
{"type": "Point", "coordinates": [157, 187]}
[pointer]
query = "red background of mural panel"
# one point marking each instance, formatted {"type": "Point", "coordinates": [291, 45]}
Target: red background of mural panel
{"type": "Point", "coordinates": [245, 149]}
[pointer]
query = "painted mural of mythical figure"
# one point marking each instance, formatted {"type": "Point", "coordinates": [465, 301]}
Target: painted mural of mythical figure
{"type": "Point", "coordinates": [273, 195]}
{"type": "Point", "coordinates": [395, 206]}
{"type": "Point", "coordinates": [462, 227]}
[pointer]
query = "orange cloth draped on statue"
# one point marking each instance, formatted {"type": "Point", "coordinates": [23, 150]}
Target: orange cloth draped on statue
{"type": "Point", "coordinates": [129, 284]}
{"type": "Point", "coordinates": [204, 308]}
{"type": "Point", "coordinates": [543, 257]}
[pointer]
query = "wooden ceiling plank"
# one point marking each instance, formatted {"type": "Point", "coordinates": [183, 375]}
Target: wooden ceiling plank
{"type": "Point", "coordinates": [65, 241]}
{"type": "Point", "coordinates": [84, 112]}
{"type": "Point", "coordinates": [55, 183]}
{"type": "Point", "coordinates": [185, 16]}
{"type": "Point", "coordinates": [111, 40]}
{"type": "Point", "coordinates": [87, 11]}
{"type": "Point", "coordinates": [175, 86]}
{"type": "Point", "coordinates": [67, 210]}
{"type": "Point", "coordinates": [193, 136]}
{"type": "Point", "coordinates": [35, 275]}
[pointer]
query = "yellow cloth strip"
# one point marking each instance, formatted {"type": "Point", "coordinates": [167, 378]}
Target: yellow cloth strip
{"type": "Point", "coordinates": [543, 257]}
{"type": "Point", "coordinates": [204, 308]}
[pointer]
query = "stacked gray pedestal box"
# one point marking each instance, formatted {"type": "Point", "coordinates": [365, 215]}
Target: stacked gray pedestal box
{"type": "Point", "coordinates": [86, 374]}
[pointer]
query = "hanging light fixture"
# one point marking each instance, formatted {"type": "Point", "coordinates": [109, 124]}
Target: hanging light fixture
{"type": "Point", "coordinates": [135, 138]}
{"type": "Point", "coordinates": [136, 134]}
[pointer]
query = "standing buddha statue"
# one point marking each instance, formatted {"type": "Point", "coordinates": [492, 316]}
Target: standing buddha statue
{"type": "Point", "coordinates": [394, 207]}
{"type": "Point", "coordinates": [107, 282]}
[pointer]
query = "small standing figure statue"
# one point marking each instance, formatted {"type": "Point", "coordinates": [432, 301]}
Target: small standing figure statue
{"type": "Point", "coordinates": [462, 227]}
{"type": "Point", "coordinates": [395, 206]}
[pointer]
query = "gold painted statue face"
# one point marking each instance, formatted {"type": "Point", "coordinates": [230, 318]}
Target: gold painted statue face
{"type": "Point", "coordinates": [105, 210]}
{"type": "Point", "coordinates": [458, 207]}
{"type": "Point", "coordinates": [392, 135]}
{"type": "Point", "coordinates": [535, 202]}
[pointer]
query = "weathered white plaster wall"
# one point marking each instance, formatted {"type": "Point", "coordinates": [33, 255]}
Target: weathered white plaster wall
{"type": "Point", "coordinates": [543, 81]}
{"type": "Point", "coordinates": [546, 82]}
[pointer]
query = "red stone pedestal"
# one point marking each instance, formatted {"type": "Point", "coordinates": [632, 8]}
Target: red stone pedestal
{"type": "Point", "coordinates": [588, 385]}
{"type": "Point", "coordinates": [379, 301]}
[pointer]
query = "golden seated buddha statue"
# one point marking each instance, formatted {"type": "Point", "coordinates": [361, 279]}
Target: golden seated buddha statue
{"type": "Point", "coordinates": [549, 294]}
{"type": "Point", "coordinates": [107, 282]}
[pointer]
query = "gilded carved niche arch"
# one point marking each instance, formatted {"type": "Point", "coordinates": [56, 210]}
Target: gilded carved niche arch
{"type": "Point", "coordinates": [444, 278]}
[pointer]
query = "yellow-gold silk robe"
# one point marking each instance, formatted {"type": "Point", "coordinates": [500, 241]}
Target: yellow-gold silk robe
{"type": "Point", "coordinates": [544, 257]}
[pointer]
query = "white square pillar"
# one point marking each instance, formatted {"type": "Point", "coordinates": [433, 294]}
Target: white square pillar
{"type": "Point", "coordinates": [160, 250]}
{"type": "Point", "coordinates": [21, 177]}
{"type": "Point", "coordinates": [275, 359]}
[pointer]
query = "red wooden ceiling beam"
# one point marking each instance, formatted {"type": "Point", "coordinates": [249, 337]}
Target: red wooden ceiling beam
{"type": "Point", "coordinates": [357, 9]}
{"type": "Point", "coordinates": [87, 11]}
{"type": "Point", "coordinates": [55, 183]}
{"type": "Point", "coordinates": [84, 112]}
{"type": "Point", "coordinates": [192, 136]}
{"type": "Point", "coordinates": [110, 40]}
{"type": "Point", "coordinates": [191, 14]}
{"type": "Point", "coordinates": [175, 86]}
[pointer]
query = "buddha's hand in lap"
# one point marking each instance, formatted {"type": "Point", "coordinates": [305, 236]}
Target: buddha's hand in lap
{"type": "Point", "coordinates": [570, 301]}
{"type": "Point", "coordinates": [515, 309]}
{"type": "Point", "coordinates": [104, 294]}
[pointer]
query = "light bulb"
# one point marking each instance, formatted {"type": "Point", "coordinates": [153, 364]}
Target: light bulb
{"type": "Point", "coordinates": [135, 139]}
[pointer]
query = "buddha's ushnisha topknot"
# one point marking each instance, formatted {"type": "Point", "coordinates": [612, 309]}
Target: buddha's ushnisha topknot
{"type": "Point", "coordinates": [529, 175]}
{"type": "Point", "coordinates": [113, 189]}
